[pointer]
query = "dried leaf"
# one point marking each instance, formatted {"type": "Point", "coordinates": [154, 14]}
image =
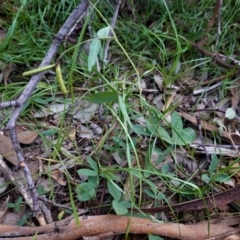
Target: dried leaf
{"type": "Point", "coordinates": [6, 69]}
{"type": "Point", "coordinates": [235, 93]}
{"type": "Point", "coordinates": [4, 208]}
{"type": "Point", "coordinates": [158, 80]}
{"type": "Point", "coordinates": [96, 129]}
{"type": "Point", "coordinates": [205, 125]}
{"type": "Point", "coordinates": [187, 76]}
{"type": "Point", "coordinates": [85, 132]}
{"type": "Point", "coordinates": [27, 137]}
{"type": "Point", "coordinates": [46, 184]}
{"type": "Point", "coordinates": [11, 218]}
{"type": "Point", "coordinates": [236, 138]}
{"type": "Point", "coordinates": [216, 150]}
{"type": "Point", "coordinates": [86, 112]}
{"type": "Point", "coordinates": [3, 34]}
{"type": "Point", "coordinates": [6, 150]}
{"type": "Point", "coordinates": [34, 167]}
{"type": "Point", "coordinates": [3, 185]}
{"type": "Point", "coordinates": [55, 108]}
{"type": "Point", "coordinates": [71, 133]}
{"type": "Point", "coordinates": [57, 177]}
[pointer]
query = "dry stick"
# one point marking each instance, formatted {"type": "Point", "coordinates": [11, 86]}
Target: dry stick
{"type": "Point", "coordinates": [19, 187]}
{"type": "Point", "coordinates": [217, 57]}
{"type": "Point", "coordinates": [219, 3]}
{"type": "Point", "coordinates": [216, 200]}
{"type": "Point", "coordinates": [9, 104]}
{"type": "Point", "coordinates": [18, 104]}
{"type": "Point", "coordinates": [201, 139]}
{"type": "Point", "coordinates": [207, 89]}
{"type": "Point", "coordinates": [113, 23]}
{"type": "Point", "coordinates": [216, 10]}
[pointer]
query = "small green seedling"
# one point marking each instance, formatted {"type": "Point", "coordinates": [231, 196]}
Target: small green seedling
{"type": "Point", "coordinates": [16, 206]}
{"type": "Point", "coordinates": [180, 136]}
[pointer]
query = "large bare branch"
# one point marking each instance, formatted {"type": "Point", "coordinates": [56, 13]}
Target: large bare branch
{"type": "Point", "coordinates": [114, 225]}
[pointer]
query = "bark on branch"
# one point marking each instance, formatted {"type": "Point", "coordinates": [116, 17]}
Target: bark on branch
{"type": "Point", "coordinates": [103, 224]}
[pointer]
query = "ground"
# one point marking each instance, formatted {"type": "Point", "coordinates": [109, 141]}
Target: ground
{"type": "Point", "coordinates": [134, 119]}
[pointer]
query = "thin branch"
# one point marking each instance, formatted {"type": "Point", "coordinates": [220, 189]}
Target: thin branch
{"type": "Point", "coordinates": [216, 10]}
{"type": "Point", "coordinates": [19, 187]}
{"type": "Point", "coordinates": [113, 23]}
{"type": "Point", "coordinates": [219, 3]}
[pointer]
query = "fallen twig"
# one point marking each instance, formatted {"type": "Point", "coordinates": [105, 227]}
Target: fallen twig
{"type": "Point", "coordinates": [216, 12]}
{"type": "Point", "coordinates": [217, 200]}
{"type": "Point", "coordinates": [113, 22]}
{"type": "Point", "coordinates": [219, 58]}
{"type": "Point", "coordinates": [20, 188]}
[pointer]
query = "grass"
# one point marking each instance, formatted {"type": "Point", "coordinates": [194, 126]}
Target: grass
{"type": "Point", "coordinates": [156, 40]}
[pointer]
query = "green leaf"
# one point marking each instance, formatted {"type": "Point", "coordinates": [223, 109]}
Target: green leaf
{"type": "Point", "coordinates": [110, 176]}
{"type": "Point", "coordinates": [135, 172]}
{"type": "Point", "coordinates": [92, 164]}
{"type": "Point", "coordinates": [94, 181]}
{"type": "Point", "coordinates": [25, 105]}
{"type": "Point", "coordinates": [154, 237]}
{"type": "Point", "coordinates": [181, 136]}
{"type": "Point", "coordinates": [221, 178]}
{"type": "Point", "coordinates": [122, 107]}
{"type": "Point", "coordinates": [155, 129]}
{"type": "Point", "coordinates": [127, 204]}
{"type": "Point", "coordinates": [87, 172]}
{"type": "Point", "coordinates": [119, 208]}
{"type": "Point", "coordinates": [205, 178]}
{"type": "Point", "coordinates": [50, 132]}
{"type": "Point", "coordinates": [163, 134]}
{"type": "Point", "coordinates": [40, 100]}
{"type": "Point", "coordinates": [11, 205]}
{"type": "Point", "coordinates": [152, 186]}
{"type": "Point", "coordinates": [165, 168]}
{"type": "Point", "coordinates": [104, 32]}
{"type": "Point", "coordinates": [101, 53]}
{"type": "Point", "coordinates": [85, 192]}
{"type": "Point", "coordinates": [176, 121]}
{"type": "Point", "coordinates": [103, 97]}
{"type": "Point", "coordinates": [114, 190]}
{"type": "Point", "coordinates": [23, 220]}
{"type": "Point", "coordinates": [93, 53]}
{"type": "Point", "coordinates": [214, 164]}
{"type": "Point", "coordinates": [41, 190]}
{"type": "Point", "coordinates": [19, 201]}
{"type": "Point", "coordinates": [148, 165]}
{"type": "Point", "coordinates": [184, 136]}
{"type": "Point", "coordinates": [150, 193]}
{"type": "Point", "coordinates": [141, 130]}
{"type": "Point", "coordinates": [119, 141]}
